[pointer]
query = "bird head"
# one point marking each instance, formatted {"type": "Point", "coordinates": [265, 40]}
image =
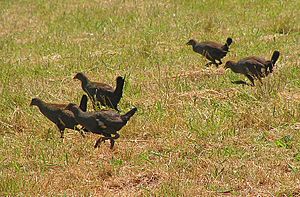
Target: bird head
{"type": "Point", "coordinates": [228, 64]}
{"type": "Point", "coordinates": [191, 42]}
{"type": "Point", "coordinates": [80, 76]}
{"type": "Point", "coordinates": [34, 101]}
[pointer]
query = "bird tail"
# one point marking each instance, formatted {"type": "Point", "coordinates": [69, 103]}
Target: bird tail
{"type": "Point", "coordinates": [225, 47]}
{"type": "Point", "coordinates": [83, 103]}
{"type": "Point", "coordinates": [129, 114]}
{"type": "Point", "coordinates": [119, 89]}
{"type": "Point", "coordinates": [274, 59]}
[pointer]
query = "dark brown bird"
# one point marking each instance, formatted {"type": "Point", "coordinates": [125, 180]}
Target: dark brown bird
{"type": "Point", "coordinates": [211, 50]}
{"type": "Point", "coordinates": [268, 64]}
{"type": "Point", "coordinates": [105, 122]}
{"type": "Point", "coordinates": [105, 94]}
{"type": "Point", "coordinates": [254, 67]}
{"type": "Point", "coordinates": [58, 114]}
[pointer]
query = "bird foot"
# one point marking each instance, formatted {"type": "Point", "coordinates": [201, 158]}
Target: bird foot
{"type": "Point", "coordinates": [99, 141]}
{"type": "Point", "coordinates": [112, 143]}
{"type": "Point", "coordinates": [82, 133]}
{"type": "Point", "coordinates": [208, 64]}
{"type": "Point", "coordinates": [62, 139]}
{"type": "Point", "coordinates": [103, 139]}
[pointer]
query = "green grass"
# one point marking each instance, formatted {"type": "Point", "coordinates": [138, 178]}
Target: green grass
{"type": "Point", "coordinates": [195, 132]}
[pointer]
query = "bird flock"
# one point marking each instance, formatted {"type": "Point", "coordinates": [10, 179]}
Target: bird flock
{"type": "Point", "coordinates": [107, 122]}
{"type": "Point", "coordinates": [253, 67]}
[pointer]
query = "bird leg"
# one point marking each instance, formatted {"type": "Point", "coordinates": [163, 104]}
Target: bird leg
{"type": "Point", "coordinates": [99, 141]}
{"type": "Point", "coordinates": [213, 62]}
{"type": "Point", "coordinates": [61, 126]}
{"type": "Point", "coordinates": [208, 56]}
{"type": "Point", "coordinates": [62, 134]}
{"type": "Point", "coordinates": [112, 140]}
{"type": "Point", "coordinates": [259, 79]}
{"type": "Point", "coordinates": [217, 64]}
{"type": "Point", "coordinates": [103, 139]}
{"type": "Point", "coordinates": [112, 143]}
{"type": "Point", "coordinates": [220, 62]}
{"type": "Point", "coordinates": [81, 133]}
{"type": "Point", "coordinates": [251, 79]}
{"type": "Point", "coordinates": [107, 137]}
{"type": "Point", "coordinates": [258, 76]}
{"type": "Point", "coordinates": [80, 130]}
{"type": "Point", "coordinates": [210, 63]}
{"type": "Point", "coordinates": [96, 104]}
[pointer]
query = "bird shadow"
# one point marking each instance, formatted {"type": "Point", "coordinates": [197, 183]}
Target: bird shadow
{"type": "Point", "coordinates": [240, 82]}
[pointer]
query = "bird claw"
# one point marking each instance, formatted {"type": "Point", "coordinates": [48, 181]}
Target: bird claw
{"type": "Point", "coordinates": [112, 143]}
{"type": "Point", "coordinates": [99, 141]}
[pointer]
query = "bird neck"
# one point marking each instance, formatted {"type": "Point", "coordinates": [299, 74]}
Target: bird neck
{"type": "Point", "coordinates": [197, 49]}
{"type": "Point", "coordinates": [226, 47]}
{"type": "Point", "coordinates": [41, 104]}
{"type": "Point", "coordinates": [44, 108]}
{"type": "Point", "coordinates": [235, 67]}
{"type": "Point", "coordinates": [84, 81]}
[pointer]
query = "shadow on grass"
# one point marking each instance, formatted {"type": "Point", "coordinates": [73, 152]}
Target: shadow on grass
{"type": "Point", "coordinates": [240, 82]}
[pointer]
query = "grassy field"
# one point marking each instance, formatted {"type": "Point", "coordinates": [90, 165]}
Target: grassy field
{"type": "Point", "coordinates": [195, 132]}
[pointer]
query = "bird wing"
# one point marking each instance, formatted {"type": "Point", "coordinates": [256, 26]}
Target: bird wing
{"type": "Point", "coordinates": [211, 44]}
{"type": "Point", "coordinates": [109, 116]}
{"type": "Point", "coordinates": [90, 89]}
{"type": "Point", "coordinates": [255, 68]}
{"type": "Point", "coordinates": [213, 52]}
{"type": "Point", "coordinates": [255, 58]}
{"type": "Point", "coordinates": [101, 124]}
{"type": "Point", "coordinates": [56, 105]}
{"type": "Point", "coordinates": [102, 87]}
